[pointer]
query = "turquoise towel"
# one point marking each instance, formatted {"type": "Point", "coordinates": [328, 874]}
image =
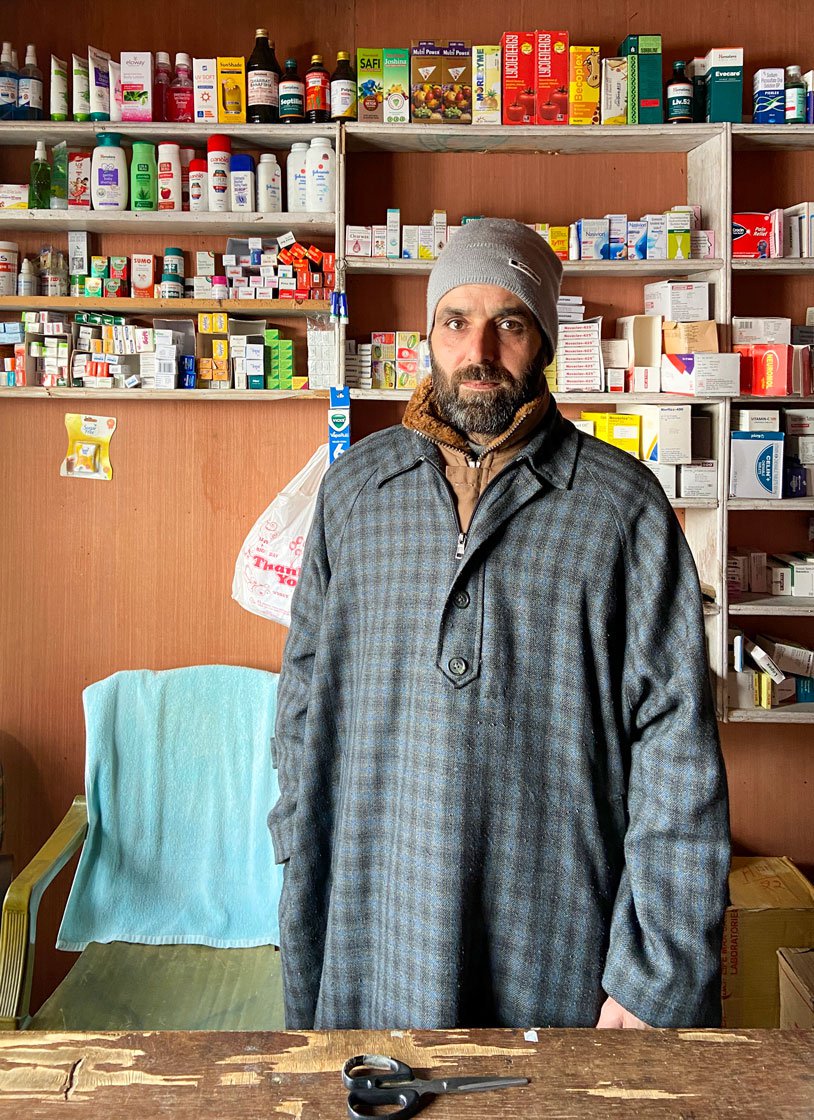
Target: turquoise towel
{"type": "Point", "coordinates": [179, 783]}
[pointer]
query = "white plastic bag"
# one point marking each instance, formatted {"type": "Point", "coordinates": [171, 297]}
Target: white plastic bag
{"type": "Point", "coordinates": [268, 565]}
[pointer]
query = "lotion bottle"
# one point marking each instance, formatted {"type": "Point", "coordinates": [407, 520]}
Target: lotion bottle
{"type": "Point", "coordinates": [108, 174]}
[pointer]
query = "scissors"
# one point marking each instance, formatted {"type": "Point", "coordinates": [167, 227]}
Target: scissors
{"type": "Point", "coordinates": [374, 1079]}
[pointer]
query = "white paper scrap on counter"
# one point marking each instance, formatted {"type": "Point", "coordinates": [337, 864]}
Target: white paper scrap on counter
{"type": "Point", "coordinates": [531, 1036]}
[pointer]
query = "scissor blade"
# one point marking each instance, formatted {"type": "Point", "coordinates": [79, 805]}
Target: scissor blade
{"type": "Point", "coordinates": [471, 1084]}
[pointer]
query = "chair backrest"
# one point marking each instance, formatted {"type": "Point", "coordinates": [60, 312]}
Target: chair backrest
{"type": "Point", "coordinates": [179, 783]}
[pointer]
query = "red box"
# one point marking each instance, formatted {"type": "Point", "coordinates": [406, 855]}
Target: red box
{"type": "Point", "coordinates": [771, 370]}
{"type": "Point", "coordinates": [329, 279]}
{"type": "Point", "coordinates": [551, 52]}
{"type": "Point", "coordinates": [745, 351]}
{"type": "Point", "coordinates": [757, 236]}
{"type": "Point", "coordinates": [314, 254]}
{"type": "Point", "coordinates": [519, 77]}
{"type": "Point", "coordinates": [329, 262]}
{"type": "Point", "coordinates": [303, 277]}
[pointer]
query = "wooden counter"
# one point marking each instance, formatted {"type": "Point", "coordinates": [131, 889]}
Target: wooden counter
{"type": "Point", "coordinates": [687, 1075]}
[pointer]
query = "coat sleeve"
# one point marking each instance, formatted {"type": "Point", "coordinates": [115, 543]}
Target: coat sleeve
{"type": "Point", "coordinates": [663, 960]}
{"type": "Point", "coordinates": [294, 685]}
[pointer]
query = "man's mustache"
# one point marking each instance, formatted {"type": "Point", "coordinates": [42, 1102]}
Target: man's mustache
{"type": "Point", "coordinates": [483, 371]}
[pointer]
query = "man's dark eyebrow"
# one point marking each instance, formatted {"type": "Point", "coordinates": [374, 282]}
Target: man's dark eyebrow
{"type": "Point", "coordinates": [518, 310]}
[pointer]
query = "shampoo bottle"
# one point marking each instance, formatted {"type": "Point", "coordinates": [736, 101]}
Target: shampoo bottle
{"type": "Point", "coordinates": [143, 192]}
{"type": "Point", "coordinates": [108, 174]}
{"type": "Point", "coordinates": [169, 177]}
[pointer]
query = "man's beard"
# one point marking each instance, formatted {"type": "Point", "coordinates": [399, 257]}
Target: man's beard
{"type": "Point", "coordinates": [485, 412]}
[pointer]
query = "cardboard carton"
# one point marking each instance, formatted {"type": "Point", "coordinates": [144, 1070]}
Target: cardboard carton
{"type": "Point", "coordinates": [796, 974]}
{"type": "Point", "coordinates": [519, 77]}
{"type": "Point", "coordinates": [583, 85]}
{"type": "Point", "coordinates": [772, 907]}
{"type": "Point", "coordinates": [552, 77]}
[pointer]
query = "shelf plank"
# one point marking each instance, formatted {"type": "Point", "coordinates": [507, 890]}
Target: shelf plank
{"type": "Point", "coordinates": [547, 139]}
{"type": "Point", "coordinates": [172, 394]}
{"type": "Point", "coordinates": [136, 222]}
{"type": "Point", "coordinates": [776, 505]}
{"type": "Point", "coordinates": [161, 306]}
{"type": "Point", "coordinates": [777, 605]}
{"type": "Point", "coordinates": [787, 265]}
{"type": "Point", "coordinates": [267, 136]}
{"type": "Point", "coordinates": [789, 713]}
{"type": "Point", "coordinates": [570, 268]}
{"type": "Point", "coordinates": [748, 137]}
{"type": "Point", "coordinates": [561, 398]}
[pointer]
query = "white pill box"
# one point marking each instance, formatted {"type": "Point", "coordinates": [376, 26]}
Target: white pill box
{"type": "Point", "coordinates": [698, 479]}
{"type": "Point", "coordinates": [756, 465]}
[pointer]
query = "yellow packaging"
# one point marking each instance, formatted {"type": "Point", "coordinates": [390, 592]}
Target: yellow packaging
{"type": "Point", "coordinates": [772, 908]}
{"type": "Point", "coordinates": [583, 85]}
{"type": "Point", "coordinates": [220, 349]}
{"type": "Point", "coordinates": [220, 322]}
{"type": "Point", "coordinates": [205, 322]}
{"type": "Point", "coordinates": [558, 240]}
{"type": "Point", "coordinates": [231, 91]}
{"type": "Point", "coordinates": [622, 429]}
{"type": "Point", "coordinates": [88, 454]}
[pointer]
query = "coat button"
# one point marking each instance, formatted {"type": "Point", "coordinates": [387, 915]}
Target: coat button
{"type": "Point", "coordinates": [461, 599]}
{"type": "Point", "coordinates": [458, 666]}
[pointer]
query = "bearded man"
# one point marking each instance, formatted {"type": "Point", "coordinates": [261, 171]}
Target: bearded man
{"type": "Point", "coordinates": [503, 801]}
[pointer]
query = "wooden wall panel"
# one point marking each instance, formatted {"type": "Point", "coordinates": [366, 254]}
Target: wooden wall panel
{"type": "Point", "coordinates": [137, 572]}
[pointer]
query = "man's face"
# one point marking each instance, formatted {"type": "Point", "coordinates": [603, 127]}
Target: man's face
{"type": "Point", "coordinates": [487, 358]}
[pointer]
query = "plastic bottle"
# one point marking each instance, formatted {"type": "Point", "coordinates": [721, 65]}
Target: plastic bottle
{"type": "Point", "coordinates": [108, 173]}
{"type": "Point", "coordinates": [27, 283]}
{"type": "Point", "coordinates": [187, 155]}
{"type": "Point", "coordinates": [29, 90]}
{"type": "Point", "coordinates": [343, 89]}
{"type": "Point", "coordinates": [172, 286]}
{"type": "Point", "coordinates": [180, 97]}
{"type": "Point", "coordinates": [220, 287]}
{"type": "Point", "coordinates": [241, 184]}
{"type": "Point", "coordinates": [269, 185]}
{"type": "Point", "coordinates": [292, 94]}
{"type": "Point", "coordinates": [296, 176]}
{"type": "Point", "coordinates": [218, 159]}
{"type": "Point", "coordinates": [39, 180]}
{"type": "Point", "coordinates": [262, 81]}
{"type": "Point", "coordinates": [161, 86]}
{"type": "Point", "coordinates": [198, 186]}
{"type": "Point", "coordinates": [9, 254]}
{"type": "Point", "coordinates": [678, 103]}
{"type": "Point", "coordinates": [9, 79]}
{"type": "Point", "coordinates": [169, 177]}
{"type": "Point", "coordinates": [317, 92]}
{"type": "Point", "coordinates": [143, 177]}
{"type": "Point", "coordinates": [320, 179]}
{"type": "Point", "coordinates": [795, 96]}
{"type": "Point", "coordinates": [173, 264]}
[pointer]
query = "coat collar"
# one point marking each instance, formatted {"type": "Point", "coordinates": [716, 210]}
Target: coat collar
{"type": "Point", "coordinates": [551, 452]}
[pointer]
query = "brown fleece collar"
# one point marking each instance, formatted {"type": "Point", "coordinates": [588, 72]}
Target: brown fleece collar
{"type": "Point", "coordinates": [421, 416]}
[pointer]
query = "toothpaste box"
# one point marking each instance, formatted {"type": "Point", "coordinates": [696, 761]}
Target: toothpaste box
{"type": "Point", "coordinates": [396, 86]}
{"type": "Point", "coordinates": [583, 85]}
{"type": "Point", "coordinates": [593, 238]}
{"type": "Point", "coordinates": [205, 86]}
{"type": "Point", "coordinates": [552, 77]}
{"type": "Point", "coordinates": [613, 95]}
{"type": "Point", "coordinates": [757, 236]}
{"type": "Point", "coordinates": [677, 301]}
{"type": "Point", "coordinates": [769, 96]}
{"type": "Point", "coordinates": [756, 465]}
{"type": "Point", "coordinates": [486, 75]}
{"type": "Point", "coordinates": [519, 77]}
{"type": "Point", "coordinates": [370, 85]}
{"type": "Point", "coordinates": [137, 85]}
{"type": "Point", "coordinates": [701, 375]}
{"type": "Point", "coordinates": [666, 432]}
{"type": "Point", "coordinates": [637, 241]}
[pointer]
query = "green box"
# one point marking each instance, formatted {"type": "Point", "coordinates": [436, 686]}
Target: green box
{"type": "Point", "coordinates": [256, 381]}
{"type": "Point", "coordinates": [644, 88]}
{"type": "Point", "coordinates": [724, 84]}
{"type": "Point", "coordinates": [396, 86]}
{"type": "Point", "coordinates": [369, 85]}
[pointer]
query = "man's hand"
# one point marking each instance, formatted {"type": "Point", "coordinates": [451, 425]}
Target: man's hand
{"type": "Point", "coordinates": [614, 1017]}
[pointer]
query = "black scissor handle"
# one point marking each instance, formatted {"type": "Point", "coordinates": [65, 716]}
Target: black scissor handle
{"type": "Point", "coordinates": [381, 1069]}
{"type": "Point", "coordinates": [409, 1101]}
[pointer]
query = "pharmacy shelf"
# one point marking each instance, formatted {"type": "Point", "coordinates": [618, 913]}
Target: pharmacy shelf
{"type": "Point", "coordinates": [777, 505]}
{"type": "Point", "coordinates": [248, 136]}
{"type": "Point", "coordinates": [137, 222]}
{"type": "Point", "coordinates": [172, 394]}
{"type": "Point", "coordinates": [788, 713]}
{"type": "Point", "coordinates": [562, 398]}
{"type": "Point", "coordinates": [750, 137]}
{"type": "Point", "coordinates": [570, 268]}
{"type": "Point", "coordinates": [547, 139]}
{"type": "Point", "coordinates": [782, 265]}
{"type": "Point", "coordinates": [778, 605]}
{"type": "Point", "coordinates": [73, 304]}
{"type": "Point", "coordinates": [759, 402]}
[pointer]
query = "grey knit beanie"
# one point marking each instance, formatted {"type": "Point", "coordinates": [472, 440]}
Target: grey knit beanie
{"type": "Point", "coordinates": [508, 254]}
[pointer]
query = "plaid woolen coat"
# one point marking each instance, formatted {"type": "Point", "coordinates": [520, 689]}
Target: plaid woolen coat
{"type": "Point", "coordinates": [502, 792]}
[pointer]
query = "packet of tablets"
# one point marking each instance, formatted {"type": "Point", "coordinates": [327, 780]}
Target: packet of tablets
{"type": "Point", "coordinates": [88, 454]}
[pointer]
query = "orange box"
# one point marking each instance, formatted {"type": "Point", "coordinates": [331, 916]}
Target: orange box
{"type": "Point", "coordinates": [519, 77]}
{"type": "Point", "coordinates": [583, 85]}
{"type": "Point", "coordinates": [552, 76]}
{"type": "Point", "coordinates": [771, 370]}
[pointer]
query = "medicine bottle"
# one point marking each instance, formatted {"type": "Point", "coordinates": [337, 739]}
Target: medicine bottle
{"type": "Point", "coordinates": [292, 94]}
{"type": "Point", "coordinates": [678, 101]}
{"type": "Point", "coordinates": [262, 81]}
{"type": "Point", "coordinates": [198, 185]}
{"type": "Point", "coordinates": [795, 96]}
{"type": "Point", "coordinates": [180, 100]}
{"type": "Point", "coordinates": [296, 177]}
{"type": "Point", "coordinates": [343, 90]}
{"type": "Point", "coordinates": [320, 187]}
{"type": "Point", "coordinates": [317, 92]}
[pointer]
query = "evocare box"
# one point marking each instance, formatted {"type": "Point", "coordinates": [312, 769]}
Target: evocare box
{"type": "Point", "coordinates": [772, 906]}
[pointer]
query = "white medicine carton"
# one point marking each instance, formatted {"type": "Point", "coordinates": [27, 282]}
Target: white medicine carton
{"type": "Point", "coordinates": [666, 433]}
{"type": "Point", "coordinates": [756, 465]}
{"type": "Point", "coordinates": [678, 301]}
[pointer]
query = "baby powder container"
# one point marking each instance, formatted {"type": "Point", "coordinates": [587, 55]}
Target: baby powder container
{"type": "Point", "coordinates": [296, 176]}
{"type": "Point", "coordinates": [108, 174]}
{"type": "Point", "coordinates": [9, 253]}
{"type": "Point", "coordinates": [320, 185]}
{"type": "Point", "coordinates": [269, 185]}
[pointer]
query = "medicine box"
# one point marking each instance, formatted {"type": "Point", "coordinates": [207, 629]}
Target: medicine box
{"type": "Point", "coordinates": [698, 479]}
{"type": "Point", "coordinates": [656, 237]}
{"type": "Point", "coordinates": [757, 236]}
{"type": "Point", "coordinates": [799, 421]}
{"type": "Point", "coordinates": [231, 90]}
{"type": "Point", "coordinates": [205, 83]}
{"type": "Point", "coordinates": [552, 77]}
{"type": "Point", "coordinates": [613, 91]}
{"type": "Point", "coordinates": [370, 84]}
{"type": "Point", "coordinates": [756, 465]}
{"type": "Point", "coordinates": [637, 241]}
{"type": "Point", "coordinates": [644, 82]}
{"type": "Point", "coordinates": [768, 96]}
{"type": "Point", "coordinates": [621, 429]}
{"type": "Point", "coordinates": [486, 74]}
{"type": "Point", "coordinates": [724, 84]}
{"type": "Point", "coordinates": [583, 85]}
{"type": "Point", "coordinates": [758, 330]}
{"type": "Point", "coordinates": [594, 236]}
{"type": "Point", "coordinates": [519, 99]}
{"type": "Point", "coordinates": [396, 85]}
{"type": "Point", "coordinates": [665, 433]}
{"type": "Point", "coordinates": [677, 301]}
{"type": "Point", "coordinates": [757, 420]}
{"type": "Point", "coordinates": [358, 241]}
{"type": "Point", "coordinates": [137, 85]}
{"type": "Point", "coordinates": [666, 473]}
{"type": "Point", "coordinates": [701, 375]}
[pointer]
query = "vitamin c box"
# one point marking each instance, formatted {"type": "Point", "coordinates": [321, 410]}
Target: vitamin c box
{"type": "Point", "coordinates": [519, 77]}
{"type": "Point", "coordinates": [583, 73]}
{"type": "Point", "coordinates": [552, 77]}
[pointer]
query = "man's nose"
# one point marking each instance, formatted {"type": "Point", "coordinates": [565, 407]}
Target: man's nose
{"type": "Point", "coordinates": [483, 344]}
